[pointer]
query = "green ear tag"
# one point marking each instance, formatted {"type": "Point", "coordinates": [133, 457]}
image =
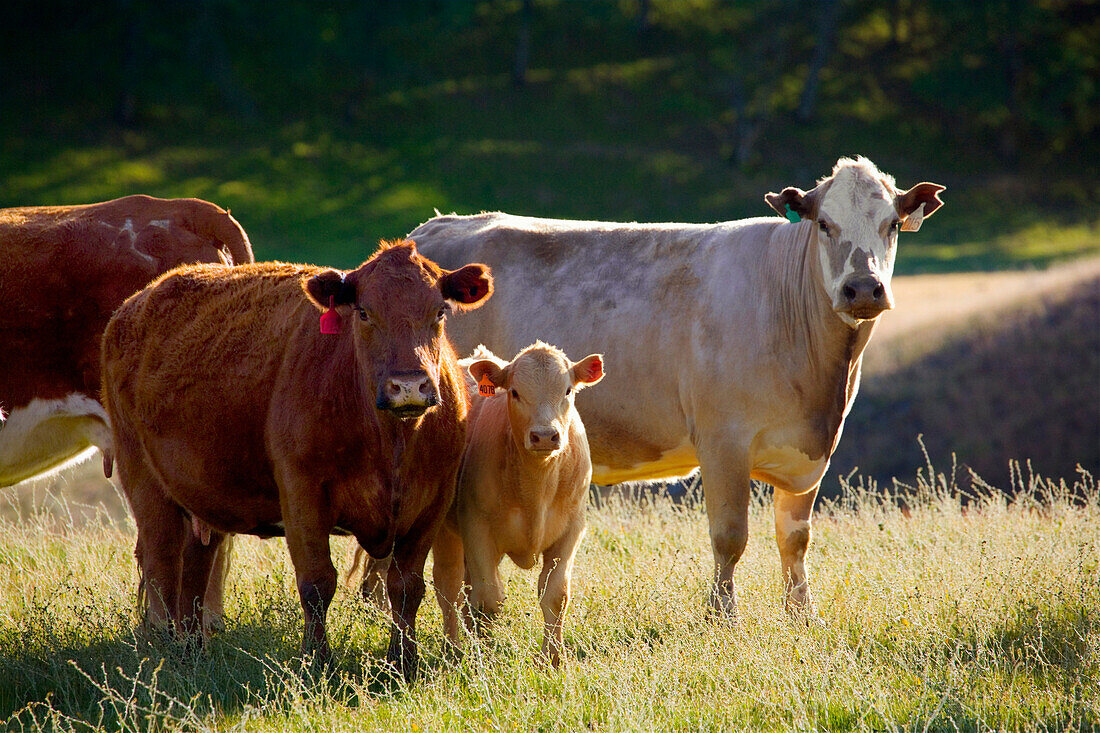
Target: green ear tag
{"type": "Point", "coordinates": [792, 216]}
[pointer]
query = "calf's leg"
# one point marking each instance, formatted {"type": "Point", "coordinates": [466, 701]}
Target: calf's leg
{"type": "Point", "coordinates": [792, 534]}
{"type": "Point", "coordinates": [448, 571]}
{"type": "Point", "coordinates": [554, 586]}
{"type": "Point", "coordinates": [482, 563]}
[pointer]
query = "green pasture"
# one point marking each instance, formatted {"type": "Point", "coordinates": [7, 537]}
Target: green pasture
{"type": "Point", "coordinates": [934, 615]}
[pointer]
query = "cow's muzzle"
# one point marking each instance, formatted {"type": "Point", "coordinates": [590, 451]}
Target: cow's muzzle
{"type": "Point", "coordinates": [864, 297]}
{"type": "Point", "coordinates": [544, 440]}
{"type": "Point", "coordinates": [407, 394]}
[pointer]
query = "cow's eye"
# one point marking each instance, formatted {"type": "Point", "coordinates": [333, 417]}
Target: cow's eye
{"type": "Point", "coordinates": [441, 314]}
{"type": "Point", "coordinates": [896, 225]}
{"type": "Point", "coordinates": [824, 227]}
{"type": "Point", "coordinates": [515, 394]}
{"type": "Point", "coordinates": [363, 315]}
{"type": "Point", "coordinates": [568, 391]}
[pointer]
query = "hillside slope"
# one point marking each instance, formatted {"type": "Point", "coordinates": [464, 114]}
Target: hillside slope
{"type": "Point", "coordinates": [988, 367]}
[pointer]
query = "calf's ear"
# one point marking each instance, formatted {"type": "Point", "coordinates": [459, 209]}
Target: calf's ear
{"type": "Point", "coordinates": [801, 202]}
{"type": "Point", "coordinates": [329, 284]}
{"type": "Point", "coordinates": [497, 374]}
{"type": "Point", "coordinates": [588, 370]}
{"type": "Point", "coordinates": [923, 193]}
{"type": "Point", "coordinates": [467, 287]}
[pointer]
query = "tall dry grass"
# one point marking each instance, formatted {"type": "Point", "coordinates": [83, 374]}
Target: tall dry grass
{"type": "Point", "coordinates": [939, 611]}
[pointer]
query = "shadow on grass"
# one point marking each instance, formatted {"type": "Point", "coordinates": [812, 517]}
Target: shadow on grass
{"type": "Point", "coordinates": [129, 680]}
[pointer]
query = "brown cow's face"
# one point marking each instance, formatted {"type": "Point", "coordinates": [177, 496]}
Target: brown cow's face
{"type": "Point", "coordinates": [394, 308]}
{"type": "Point", "coordinates": [858, 213]}
{"type": "Point", "coordinates": [540, 385]}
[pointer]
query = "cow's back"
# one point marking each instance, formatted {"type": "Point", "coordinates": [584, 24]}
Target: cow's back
{"type": "Point", "coordinates": [673, 306]}
{"type": "Point", "coordinates": [198, 355]}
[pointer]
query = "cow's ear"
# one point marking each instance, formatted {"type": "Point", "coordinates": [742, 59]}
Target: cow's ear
{"type": "Point", "coordinates": [588, 370]}
{"type": "Point", "coordinates": [467, 287]}
{"type": "Point", "coordinates": [329, 286]}
{"type": "Point", "coordinates": [800, 202]}
{"type": "Point", "coordinates": [922, 193]}
{"type": "Point", "coordinates": [497, 374]}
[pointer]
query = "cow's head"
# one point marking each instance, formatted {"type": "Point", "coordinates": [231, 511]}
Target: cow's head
{"type": "Point", "coordinates": [858, 212]}
{"type": "Point", "coordinates": [393, 308]}
{"type": "Point", "coordinates": [540, 386]}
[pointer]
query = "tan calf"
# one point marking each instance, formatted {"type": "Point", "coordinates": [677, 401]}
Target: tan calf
{"type": "Point", "coordinates": [522, 488]}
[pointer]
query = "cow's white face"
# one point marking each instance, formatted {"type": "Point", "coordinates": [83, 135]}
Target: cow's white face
{"type": "Point", "coordinates": [857, 235]}
{"type": "Point", "coordinates": [858, 213]}
{"type": "Point", "coordinates": [540, 385]}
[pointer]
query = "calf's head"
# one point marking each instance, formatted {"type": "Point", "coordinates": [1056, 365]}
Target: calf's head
{"type": "Point", "coordinates": [859, 212]}
{"type": "Point", "coordinates": [393, 308]}
{"type": "Point", "coordinates": [540, 385]}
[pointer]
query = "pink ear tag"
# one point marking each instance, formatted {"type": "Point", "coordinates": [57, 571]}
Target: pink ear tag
{"type": "Point", "coordinates": [330, 319]}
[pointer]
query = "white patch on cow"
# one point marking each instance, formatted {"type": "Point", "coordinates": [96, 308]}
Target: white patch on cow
{"type": "Point", "coordinates": [788, 468]}
{"type": "Point", "coordinates": [161, 223]}
{"type": "Point", "coordinates": [673, 463]}
{"type": "Point", "coordinates": [858, 213]}
{"type": "Point", "coordinates": [786, 523]}
{"type": "Point", "coordinates": [49, 435]}
{"type": "Point", "coordinates": [128, 228]}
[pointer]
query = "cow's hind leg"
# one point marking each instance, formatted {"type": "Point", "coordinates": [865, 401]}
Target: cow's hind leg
{"type": "Point", "coordinates": [162, 533]}
{"type": "Point", "coordinates": [213, 619]}
{"type": "Point", "coordinates": [726, 489]}
{"type": "Point", "coordinates": [201, 556]}
{"type": "Point", "coordinates": [792, 534]}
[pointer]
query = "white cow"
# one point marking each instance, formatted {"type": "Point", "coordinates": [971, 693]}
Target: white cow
{"type": "Point", "coordinates": [737, 345]}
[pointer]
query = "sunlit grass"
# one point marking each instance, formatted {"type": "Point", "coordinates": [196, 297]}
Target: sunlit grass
{"type": "Point", "coordinates": [935, 613]}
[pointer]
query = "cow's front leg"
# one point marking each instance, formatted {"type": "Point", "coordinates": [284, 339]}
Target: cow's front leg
{"type": "Point", "coordinates": [726, 489]}
{"type": "Point", "coordinates": [792, 534]}
{"type": "Point", "coordinates": [307, 539]}
{"type": "Point", "coordinates": [405, 586]}
{"type": "Point", "coordinates": [555, 581]}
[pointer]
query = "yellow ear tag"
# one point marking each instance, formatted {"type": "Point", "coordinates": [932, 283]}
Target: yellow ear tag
{"type": "Point", "coordinates": [485, 387]}
{"type": "Point", "coordinates": [913, 221]}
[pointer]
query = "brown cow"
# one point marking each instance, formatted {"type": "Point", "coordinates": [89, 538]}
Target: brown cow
{"type": "Point", "coordinates": [523, 486]}
{"type": "Point", "coordinates": [737, 345]}
{"type": "Point", "coordinates": [233, 413]}
{"type": "Point", "coordinates": [63, 272]}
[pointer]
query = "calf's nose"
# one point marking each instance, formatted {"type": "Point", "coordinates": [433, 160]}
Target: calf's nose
{"type": "Point", "coordinates": [544, 439]}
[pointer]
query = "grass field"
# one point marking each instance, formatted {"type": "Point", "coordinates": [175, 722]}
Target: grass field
{"type": "Point", "coordinates": [935, 617]}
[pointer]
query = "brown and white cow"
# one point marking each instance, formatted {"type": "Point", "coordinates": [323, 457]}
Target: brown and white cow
{"type": "Point", "coordinates": [523, 486]}
{"type": "Point", "coordinates": [233, 413]}
{"type": "Point", "coordinates": [63, 272]}
{"type": "Point", "coordinates": [737, 345]}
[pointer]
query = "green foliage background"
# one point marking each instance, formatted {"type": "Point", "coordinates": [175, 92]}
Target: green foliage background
{"type": "Point", "coordinates": [327, 125]}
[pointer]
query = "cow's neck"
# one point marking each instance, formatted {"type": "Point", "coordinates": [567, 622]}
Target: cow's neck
{"type": "Point", "coordinates": [819, 344]}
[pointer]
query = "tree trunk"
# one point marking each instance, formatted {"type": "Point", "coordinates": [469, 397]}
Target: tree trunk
{"type": "Point", "coordinates": [523, 46]}
{"type": "Point", "coordinates": [823, 49]}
